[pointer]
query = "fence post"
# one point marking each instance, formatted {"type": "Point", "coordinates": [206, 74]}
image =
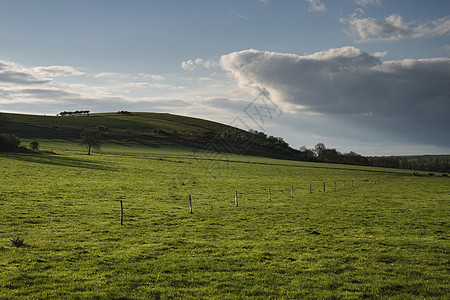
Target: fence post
{"type": "Point", "coordinates": [310, 188]}
{"type": "Point", "coordinates": [324, 186]}
{"type": "Point", "coordinates": [270, 196]}
{"type": "Point", "coordinates": [190, 204]}
{"type": "Point", "coordinates": [121, 212]}
{"type": "Point", "coordinates": [236, 198]}
{"type": "Point", "coordinates": [292, 191]}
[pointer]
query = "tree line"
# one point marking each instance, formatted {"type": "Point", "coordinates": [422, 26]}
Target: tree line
{"type": "Point", "coordinates": [73, 113]}
{"type": "Point", "coordinates": [320, 153]}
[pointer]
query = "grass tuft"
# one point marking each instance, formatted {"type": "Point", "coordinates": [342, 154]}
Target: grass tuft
{"type": "Point", "coordinates": [17, 242]}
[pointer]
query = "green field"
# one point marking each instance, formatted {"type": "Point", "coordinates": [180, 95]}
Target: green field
{"type": "Point", "coordinates": [373, 233]}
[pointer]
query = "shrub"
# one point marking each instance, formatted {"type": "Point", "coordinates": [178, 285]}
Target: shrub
{"type": "Point", "coordinates": [17, 242]}
{"type": "Point", "coordinates": [34, 145]}
{"type": "Point", "coordinates": [9, 142]}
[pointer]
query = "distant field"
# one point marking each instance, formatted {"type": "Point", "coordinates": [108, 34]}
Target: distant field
{"type": "Point", "coordinates": [373, 233]}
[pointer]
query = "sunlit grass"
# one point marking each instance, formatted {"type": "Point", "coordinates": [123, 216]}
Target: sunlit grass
{"type": "Point", "coordinates": [384, 237]}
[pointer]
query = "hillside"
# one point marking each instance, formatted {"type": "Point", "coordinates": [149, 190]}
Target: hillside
{"type": "Point", "coordinates": [150, 130]}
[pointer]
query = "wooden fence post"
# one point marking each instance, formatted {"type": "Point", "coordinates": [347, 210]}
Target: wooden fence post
{"type": "Point", "coordinates": [190, 204]}
{"type": "Point", "coordinates": [270, 196]}
{"type": "Point", "coordinates": [236, 198]}
{"type": "Point", "coordinates": [324, 186]}
{"type": "Point", "coordinates": [121, 212]}
{"type": "Point", "coordinates": [292, 191]}
{"type": "Point", "coordinates": [310, 188]}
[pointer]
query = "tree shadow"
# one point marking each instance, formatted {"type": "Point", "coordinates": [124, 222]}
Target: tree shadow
{"type": "Point", "coordinates": [58, 160]}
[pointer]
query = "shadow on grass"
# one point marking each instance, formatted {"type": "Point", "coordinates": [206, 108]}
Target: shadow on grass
{"type": "Point", "coordinates": [58, 160]}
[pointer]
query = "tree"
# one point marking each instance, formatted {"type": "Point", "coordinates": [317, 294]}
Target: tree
{"type": "Point", "coordinates": [306, 154]}
{"type": "Point", "coordinates": [319, 148]}
{"type": "Point", "coordinates": [90, 139]}
{"type": "Point", "coordinates": [34, 145]}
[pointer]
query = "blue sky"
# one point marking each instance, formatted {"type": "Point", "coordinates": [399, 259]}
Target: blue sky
{"type": "Point", "coordinates": [370, 76]}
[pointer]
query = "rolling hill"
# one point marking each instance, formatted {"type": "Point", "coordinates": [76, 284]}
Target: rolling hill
{"type": "Point", "coordinates": [150, 130]}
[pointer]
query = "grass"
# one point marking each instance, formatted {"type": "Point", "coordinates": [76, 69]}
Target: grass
{"type": "Point", "coordinates": [136, 121]}
{"type": "Point", "coordinates": [384, 237]}
{"type": "Point", "coordinates": [143, 130]}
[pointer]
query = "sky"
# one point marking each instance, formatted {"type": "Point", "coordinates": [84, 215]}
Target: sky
{"type": "Point", "coordinates": [369, 76]}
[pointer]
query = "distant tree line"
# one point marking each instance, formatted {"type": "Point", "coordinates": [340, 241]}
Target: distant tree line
{"type": "Point", "coordinates": [321, 153]}
{"type": "Point", "coordinates": [429, 164]}
{"type": "Point", "coordinates": [73, 113]}
{"type": "Point", "coordinates": [123, 112]}
{"type": "Point", "coordinates": [270, 141]}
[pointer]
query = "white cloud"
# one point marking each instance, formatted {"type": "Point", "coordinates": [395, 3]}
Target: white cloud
{"type": "Point", "coordinates": [191, 65]}
{"type": "Point", "coordinates": [409, 98]}
{"type": "Point", "coordinates": [366, 3]}
{"type": "Point", "coordinates": [393, 28]}
{"type": "Point", "coordinates": [380, 54]}
{"type": "Point", "coordinates": [55, 71]}
{"type": "Point", "coordinates": [108, 75]}
{"type": "Point", "coordinates": [152, 85]}
{"type": "Point", "coordinates": [37, 89]}
{"type": "Point", "coordinates": [204, 79]}
{"type": "Point", "coordinates": [12, 73]}
{"type": "Point", "coordinates": [316, 5]}
{"type": "Point", "coordinates": [157, 77]}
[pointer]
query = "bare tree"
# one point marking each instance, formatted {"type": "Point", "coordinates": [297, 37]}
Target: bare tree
{"type": "Point", "coordinates": [90, 139]}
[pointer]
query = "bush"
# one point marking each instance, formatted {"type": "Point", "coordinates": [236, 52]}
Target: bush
{"type": "Point", "coordinates": [34, 146]}
{"type": "Point", "coordinates": [17, 242]}
{"type": "Point", "coordinates": [9, 142]}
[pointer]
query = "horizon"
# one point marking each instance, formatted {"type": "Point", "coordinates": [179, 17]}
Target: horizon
{"type": "Point", "coordinates": [368, 76]}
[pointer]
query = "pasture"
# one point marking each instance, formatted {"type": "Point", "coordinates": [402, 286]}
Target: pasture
{"type": "Point", "coordinates": [373, 233]}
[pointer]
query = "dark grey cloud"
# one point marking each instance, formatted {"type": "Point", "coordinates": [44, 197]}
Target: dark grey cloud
{"type": "Point", "coordinates": [409, 99]}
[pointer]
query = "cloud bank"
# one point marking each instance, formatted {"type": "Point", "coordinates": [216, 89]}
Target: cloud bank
{"type": "Point", "coordinates": [407, 99]}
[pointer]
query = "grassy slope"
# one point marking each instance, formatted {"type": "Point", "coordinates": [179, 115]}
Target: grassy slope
{"type": "Point", "coordinates": [129, 131]}
{"type": "Point", "coordinates": [135, 121]}
{"type": "Point", "coordinates": [385, 237]}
